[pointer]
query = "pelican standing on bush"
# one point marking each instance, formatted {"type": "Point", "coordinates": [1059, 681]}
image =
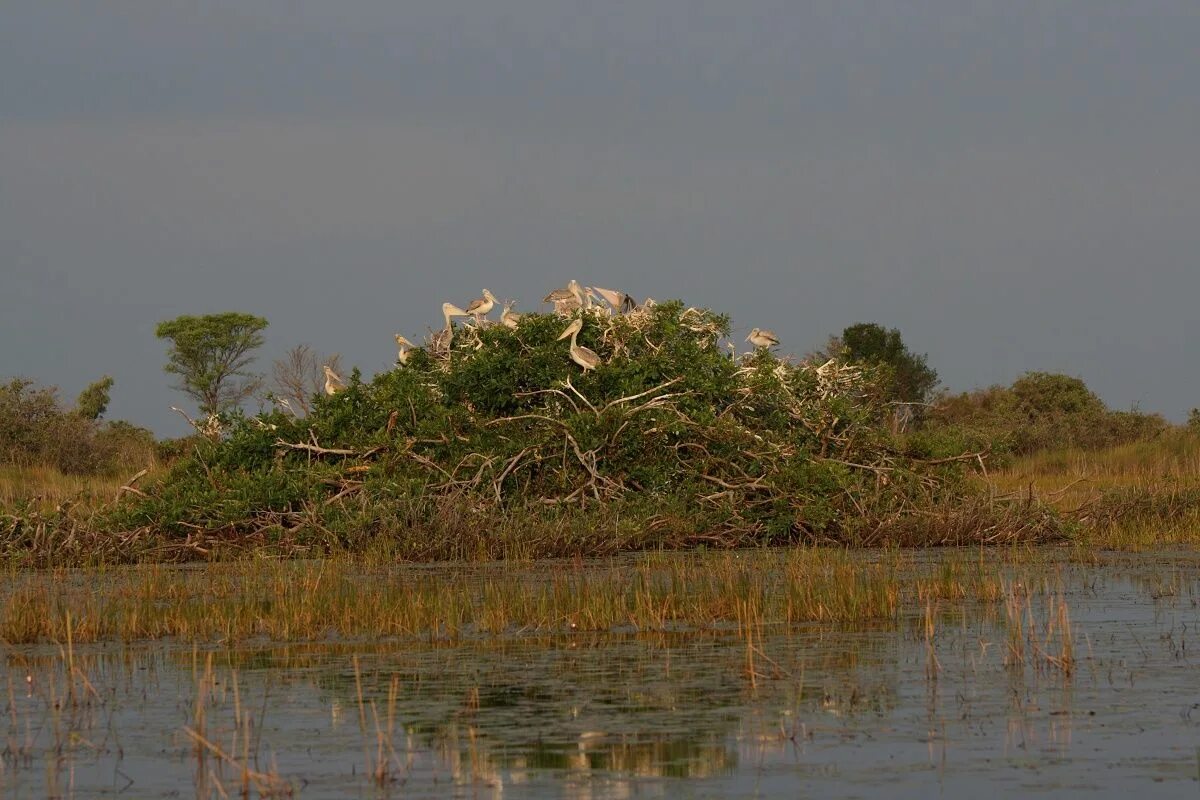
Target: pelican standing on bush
{"type": "Point", "coordinates": [482, 307]}
{"type": "Point", "coordinates": [567, 299]}
{"type": "Point", "coordinates": [760, 338]}
{"type": "Point", "coordinates": [510, 318]}
{"type": "Point", "coordinates": [405, 346]}
{"type": "Point", "coordinates": [333, 381]}
{"type": "Point", "coordinates": [580, 355]}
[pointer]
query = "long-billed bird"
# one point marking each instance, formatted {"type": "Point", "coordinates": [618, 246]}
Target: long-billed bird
{"type": "Point", "coordinates": [333, 381]}
{"type": "Point", "coordinates": [760, 338]}
{"type": "Point", "coordinates": [481, 307]}
{"type": "Point", "coordinates": [450, 310]}
{"type": "Point", "coordinates": [567, 299]}
{"type": "Point", "coordinates": [579, 354]}
{"type": "Point", "coordinates": [404, 346]}
{"type": "Point", "coordinates": [621, 302]}
{"type": "Point", "coordinates": [510, 318]}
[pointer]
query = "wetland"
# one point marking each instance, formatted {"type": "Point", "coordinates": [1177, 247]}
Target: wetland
{"type": "Point", "coordinates": [1030, 671]}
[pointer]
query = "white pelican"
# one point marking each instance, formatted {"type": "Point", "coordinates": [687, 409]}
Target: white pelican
{"type": "Point", "coordinates": [405, 346]}
{"type": "Point", "coordinates": [760, 338]}
{"type": "Point", "coordinates": [480, 308]}
{"type": "Point", "coordinates": [510, 318]}
{"type": "Point", "coordinates": [450, 310]}
{"type": "Point", "coordinates": [333, 381]}
{"type": "Point", "coordinates": [580, 355]}
{"type": "Point", "coordinates": [621, 302]}
{"type": "Point", "coordinates": [566, 300]}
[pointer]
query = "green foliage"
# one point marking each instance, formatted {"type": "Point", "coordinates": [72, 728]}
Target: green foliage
{"type": "Point", "coordinates": [36, 430]}
{"type": "Point", "coordinates": [696, 445]}
{"type": "Point", "coordinates": [911, 379]}
{"type": "Point", "coordinates": [93, 401]}
{"type": "Point", "coordinates": [210, 354]}
{"type": "Point", "coordinates": [1040, 411]}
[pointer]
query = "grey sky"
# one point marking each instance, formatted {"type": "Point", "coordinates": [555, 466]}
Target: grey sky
{"type": "Point", "coordinates": [1014, 185]}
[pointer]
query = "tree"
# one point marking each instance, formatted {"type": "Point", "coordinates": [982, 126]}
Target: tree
{"type": "Point", "coordinates": [93, 401]}
{"type": "Point", "coordinates": [298, 375]}
{"type": "Point", "coordinates": [912, 379]}
{"type": "Point", "coordinates": [210, 355]}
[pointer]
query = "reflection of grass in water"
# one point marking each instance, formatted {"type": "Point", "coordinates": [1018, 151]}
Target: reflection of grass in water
{"type": "Point", "coordinates": [355, 598]}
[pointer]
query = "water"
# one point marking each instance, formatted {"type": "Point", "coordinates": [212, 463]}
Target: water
{"type": "Point", "coordinates": [879, 712]}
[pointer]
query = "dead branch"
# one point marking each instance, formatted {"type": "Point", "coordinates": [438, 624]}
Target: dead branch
{"type": "Point", "coordinates": [322, 451]}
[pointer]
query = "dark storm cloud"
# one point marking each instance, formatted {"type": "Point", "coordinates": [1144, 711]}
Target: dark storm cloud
{"type": "Point", "coordinates": [1012, 184]}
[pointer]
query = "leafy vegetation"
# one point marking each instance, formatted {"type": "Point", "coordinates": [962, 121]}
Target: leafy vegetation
{"type": "Point", "coordinates": [501, 445]}
{"type": "Point", "coordinates": [498, 445]}
{"type": "Point", "coordinates": [906, 376]}
{"type": "Point", "coordinates": [1038, 412]}
{"type": "Point", "coordinates": [210, 355]}
{"type": "Point", "coordinates": [37, 430]}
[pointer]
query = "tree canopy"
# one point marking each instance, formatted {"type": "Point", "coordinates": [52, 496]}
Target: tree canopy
{"type": "Point", "coordinates": [210, 354]}
{"type": "Point", "coordinates": [912, 379]}
{"type": "Point", "coordinates": [93, 401]}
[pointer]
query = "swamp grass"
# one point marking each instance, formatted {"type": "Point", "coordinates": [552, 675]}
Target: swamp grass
{"type": "Point", "coordinates": [1135, 496]}
{"type": "Point", "coordinates": [352, 597]}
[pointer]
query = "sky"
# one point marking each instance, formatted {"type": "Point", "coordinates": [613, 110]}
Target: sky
{"type": "Point", "coordinates": [1014, 185]}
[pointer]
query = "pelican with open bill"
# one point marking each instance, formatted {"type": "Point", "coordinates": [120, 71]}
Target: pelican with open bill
{"type": "Point", "coordinates": [620, 301]}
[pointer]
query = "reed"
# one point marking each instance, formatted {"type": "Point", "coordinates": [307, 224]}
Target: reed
{"type": "Point", "coordinates": [348, 597]}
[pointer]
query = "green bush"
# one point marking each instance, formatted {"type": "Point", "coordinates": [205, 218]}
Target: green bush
{"type": "Point", "coordinates": [671, 440]}
{"type": "Point", "coordinates": [1040, 411]}
{"type": "Point", "coordinates": [36, 430]}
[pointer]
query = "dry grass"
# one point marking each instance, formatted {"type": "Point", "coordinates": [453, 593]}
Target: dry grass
{"type": "Point", "coordinates": [1132, 497]}
{"type": "Point", "coordinates": [49, 488]}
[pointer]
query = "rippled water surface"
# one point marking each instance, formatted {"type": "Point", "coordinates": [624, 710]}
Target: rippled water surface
{"type": "Point", "coordinates": [951, 700]}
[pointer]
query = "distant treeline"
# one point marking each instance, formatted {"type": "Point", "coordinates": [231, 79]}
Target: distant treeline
{"type": "Point", "coordinates": [37, 429]}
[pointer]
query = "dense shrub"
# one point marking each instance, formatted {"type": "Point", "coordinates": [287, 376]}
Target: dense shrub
{"type": "Point", "coordinates": [1040, 411]}
{"type": "Point", "coordinates": [671, 440]}
{"type": "Point", "coordinates": [36, 430]}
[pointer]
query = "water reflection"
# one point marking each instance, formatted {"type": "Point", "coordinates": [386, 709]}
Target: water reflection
{"type": "Point", "coordinates": [940, 702]}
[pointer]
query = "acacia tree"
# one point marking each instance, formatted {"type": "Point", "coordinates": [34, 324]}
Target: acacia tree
{"type": "Point", "coordinates": [210, 354]}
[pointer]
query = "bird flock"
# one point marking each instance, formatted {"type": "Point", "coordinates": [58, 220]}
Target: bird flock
{"type": "Point", "coordinates": [566, 301]}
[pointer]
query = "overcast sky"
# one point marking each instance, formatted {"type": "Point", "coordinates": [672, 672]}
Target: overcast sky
{"type": "Point", "coordinates": [1015, 185]}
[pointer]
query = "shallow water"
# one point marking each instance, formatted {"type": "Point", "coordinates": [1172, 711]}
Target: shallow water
{"type": "Point", "coordinates": [903, 710]}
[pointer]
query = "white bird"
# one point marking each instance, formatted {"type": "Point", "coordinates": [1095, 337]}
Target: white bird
{"type": "Point", "coordinates": [580, 355]}
{"type": "Point", "coordinates": [568, 299]}
{"type": "Point", "coordinates": [621, 302]}
{"type": "Point", "coordinates": [450, 310]}
{"type": "Point", "coordinates": [760, 338]}
{"type": "Point", "coordinates": [481, 307]}
{"type": "Point", "coordinates": [510, 318]}
{"type": "Point", "coordinates": [405, 346]}
{"type": "Point", "coordinates": [333, 381]}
